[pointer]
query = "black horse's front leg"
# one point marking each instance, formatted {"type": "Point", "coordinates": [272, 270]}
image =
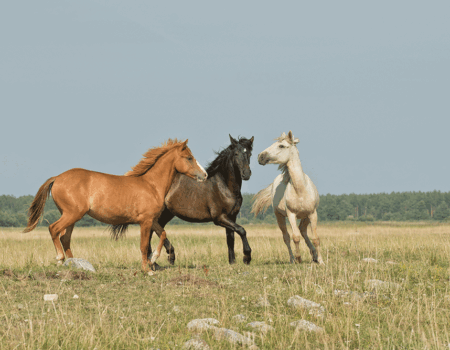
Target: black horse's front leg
{"type": "Point", "coordinates": [230, 243]}
{"type": "Point", "coordinates": [224, 221]}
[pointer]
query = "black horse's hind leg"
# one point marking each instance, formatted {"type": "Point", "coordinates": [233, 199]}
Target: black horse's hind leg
{"type": "Point", "coordinates": [230, 243]}
{"type": "Point", "coordinates": [224, 221]}
{"type": "Point", "coordinates": [164, 218]}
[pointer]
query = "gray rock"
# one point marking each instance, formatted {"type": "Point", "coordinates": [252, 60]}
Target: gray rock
{"type": "Point", "coordinates": [262, 302]}
{"type": "Point", "coordinates": [307, 326]}
{"type": "Point", "coordinates": [79, 264]}
{"type": "Point", "coordinates": [240, 318]}
{"type": "Point", "coordinates": [196, 344]}
{"type": "Point", "coordinates": [261, 326]}
{"type": "Point", "coordinates": [381, 286]}
{"type": "Point", "coordinates": [297, 302]}
{"type": "Point", "coordinates": [232, 336]}
{"type": "Point", "coordinates": [50, 297]}
{"type": "Point", "coordinates": [354, 295]}
{"type": "Point", "coordinates": [201, 324]}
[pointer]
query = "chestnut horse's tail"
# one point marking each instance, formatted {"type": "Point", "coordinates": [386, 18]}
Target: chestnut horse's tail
{"type": "Point", "coordinates": [37, 207]}
{"type": "Point", "coordinates": [262, 200]}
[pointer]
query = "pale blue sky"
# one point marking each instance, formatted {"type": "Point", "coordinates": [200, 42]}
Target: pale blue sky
{"type": "Point", "coordinates": [365, 86]}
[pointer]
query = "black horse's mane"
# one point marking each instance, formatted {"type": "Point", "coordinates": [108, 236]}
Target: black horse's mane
{"type": "Point", "coordinates": [224, 157]}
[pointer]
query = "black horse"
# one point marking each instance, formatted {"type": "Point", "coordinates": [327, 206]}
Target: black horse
{"type": "Point", "coordinates": [218, 199]}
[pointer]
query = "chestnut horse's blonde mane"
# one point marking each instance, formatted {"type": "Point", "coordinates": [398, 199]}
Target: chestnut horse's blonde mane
{"type": "Point", "coordinates": [151, 157]}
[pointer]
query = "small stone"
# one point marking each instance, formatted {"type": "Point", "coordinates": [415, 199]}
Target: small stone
{"type": "Point", "coordinates": [390, 262]}
{"type": "Point", "coordinates": [201, 324]}
{"type": "Point", "coordinates": [307, 326]}
{"type": "Point", "coordinates": [76, 296]}
{"type": "Point", "coordinates": [20, 306]}
{"type": "Point", "coordinates": [196, 344]}
{"type": "Point", "coordinates": [176, 309]}
{"type": "Point", "coordinates": [50, 297]}
{"type": "Point", "coordinates": [346, 303]}
{"type": "Point", "coordinates": [240, 318]}
{"type": "Point", "coordinates": [262, 302]}
{"type": "Point", "coordinates": [297, 302]}
{"type": "Point", "coordinates": [232, 336]}
{"type": "Point", "coordinates": [150, 273]}
{"type": "Point", "coordinates": [370, 260]}
{"type": "Point", "coordinates": [79, 264]}
{"type": "Point", "coordinates": [261, 326]}
{"type": "Point", "coordinates": [377, 285]}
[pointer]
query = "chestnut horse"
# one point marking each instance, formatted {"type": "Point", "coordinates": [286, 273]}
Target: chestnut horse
{"type": "Point", "coordinates": [135, 198]}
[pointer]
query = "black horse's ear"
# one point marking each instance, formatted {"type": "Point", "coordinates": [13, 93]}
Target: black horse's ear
{"type": "Point", "coordinates": [251, 140]}
{"type": "Point", "coordinates": [233, 141]}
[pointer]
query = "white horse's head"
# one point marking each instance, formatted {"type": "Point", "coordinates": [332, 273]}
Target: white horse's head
{"type": "Point", "coordinates": [280, 151]}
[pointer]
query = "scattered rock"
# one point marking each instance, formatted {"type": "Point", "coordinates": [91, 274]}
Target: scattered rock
{"type": "Point", "coordinates": [76, 296]}
{"type": "Point", "coordinates": [20, 306]}
{"type": "Point", "coordinates": [297, 302]}
{"type": "Point", "coordinates": [176, 309]}
{"type": "Point", "coordinates": [307, 326]}
{"type": "Point", "coordinates": [262, 302]}
{"type": "Point", "coordinates": [261, 326]}
{"type": "Point", "coordinates": [370, 260]}
{"type": "Point", "coordinates": [354, 295]}
{"type": "Point", "coordinates": [390, 262]}
{"type": "Point", "coordinates": [346, 303]}
{"type": "Point", "coordinates": [79, 264]}
{"type": "Point", "coordinates": [50, 297]}
{"type": "Point", "coordinates": [381, 286]}
{"type": "Point", "coordinates": [232, 336]}
{"type": "Point", "coordinates": [319, 289]}
{"type": "Point", "coordinates": [240, 318]}
{"type": "Point", "coordinates": [201, 324]}
{"type": "Point", "coordinates": [196, 344]}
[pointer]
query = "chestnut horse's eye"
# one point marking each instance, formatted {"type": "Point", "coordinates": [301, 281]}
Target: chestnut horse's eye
{"type": "Point", "coordinates": [189, 158]}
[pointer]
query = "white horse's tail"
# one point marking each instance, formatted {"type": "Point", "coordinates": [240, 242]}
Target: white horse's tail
{"type": "Point", "coordinates": [262, 200]}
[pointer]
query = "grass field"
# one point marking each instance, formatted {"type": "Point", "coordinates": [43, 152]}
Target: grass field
{"type": "Point", "coordinates": [121, 308]}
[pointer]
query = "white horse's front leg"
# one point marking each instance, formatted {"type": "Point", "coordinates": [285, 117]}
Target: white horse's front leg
{"type": "Point", "coordinates": [295, 234]}
{"type": "Point", "coordinates": [287, 239]}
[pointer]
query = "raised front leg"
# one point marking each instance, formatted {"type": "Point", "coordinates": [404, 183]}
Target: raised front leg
{"type": "Point", "coordinates": [295, 234]}
{"type": "Point", "coordinates": [287, 239]}
{"type": "Point", "coordinates": [315, 239]}
{"type": "Point", "coordinates": [224, 221]}
{"type": "Point", "coordinates": [304, 231]}
{"type": "Point", "coordinates": [163, 219]}
{"type": "Point", "coordinates": [230, 243]}
{"type": "Point", "coordinates": [162, 236]}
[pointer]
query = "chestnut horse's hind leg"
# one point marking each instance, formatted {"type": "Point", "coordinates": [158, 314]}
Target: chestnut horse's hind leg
{"type": "Point", "coordinates": [303, 226]}
{"type": "Point", "coordinates": [57, 228]}
{"type": "Point", "coordinates": [65, 240]}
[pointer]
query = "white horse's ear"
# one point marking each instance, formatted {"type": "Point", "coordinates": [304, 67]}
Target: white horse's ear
{"type": "Point", "coordinates": [283, 135]}
{"type": "Point", "coordinates": [291, 136]}
{"type": "Point", "coordinates": [296, 141]}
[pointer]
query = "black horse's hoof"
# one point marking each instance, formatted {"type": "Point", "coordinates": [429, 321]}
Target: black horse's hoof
{"type": "Point", "coordinates": [232, 262]}
{"type": "Point", "coordinates": [171, 259]}
{"type": "Point", "coordinates": [155, 267]}
{"type": "Point", "coordinates": [247, 259]}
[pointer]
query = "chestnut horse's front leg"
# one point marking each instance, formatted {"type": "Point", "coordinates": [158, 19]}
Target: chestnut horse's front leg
{"type": "Point", "coordinates": [145, 235]}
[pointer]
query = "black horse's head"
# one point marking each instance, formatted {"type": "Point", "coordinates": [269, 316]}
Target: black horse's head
{"type": "Point", "coordinates": [236, 157]}
{"type": "Point", "coordinates": [242, 151]}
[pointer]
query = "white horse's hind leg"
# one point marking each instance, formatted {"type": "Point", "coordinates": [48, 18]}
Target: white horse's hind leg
{"type": "Point", "coordinates": [287, 239]}
{"type": "Point", "coordinates": [292, 217]}
{"type": "Point", "coordinates": [304, 231]}
{"type": "Point", "coordinates": [315, 239]}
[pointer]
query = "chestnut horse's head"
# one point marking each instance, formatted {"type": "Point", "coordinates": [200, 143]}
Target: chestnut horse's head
{"type": "Point", "coordinates": [188, 165]}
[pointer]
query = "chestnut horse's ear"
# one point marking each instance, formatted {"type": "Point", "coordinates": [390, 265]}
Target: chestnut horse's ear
{"type": "Point", "coordinates": [184, 145]}
{"type": "Point", "coordinates": [251, 140]}
{"type": "Point", "coordinates": [233, 141]}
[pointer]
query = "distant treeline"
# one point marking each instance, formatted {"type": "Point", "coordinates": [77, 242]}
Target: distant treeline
{"type": "Point", "coordinates": [405, 206]}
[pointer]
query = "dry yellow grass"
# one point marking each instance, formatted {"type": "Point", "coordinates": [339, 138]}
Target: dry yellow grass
{"type": "Point", "coordinates": [121, 308]}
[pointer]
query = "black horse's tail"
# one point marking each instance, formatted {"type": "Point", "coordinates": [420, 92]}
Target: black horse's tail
{"type": "Point", "coordinates": [118, 231]}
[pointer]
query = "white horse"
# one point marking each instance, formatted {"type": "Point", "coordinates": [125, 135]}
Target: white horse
{"type": "Point", "coordinates": [292, 194]}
